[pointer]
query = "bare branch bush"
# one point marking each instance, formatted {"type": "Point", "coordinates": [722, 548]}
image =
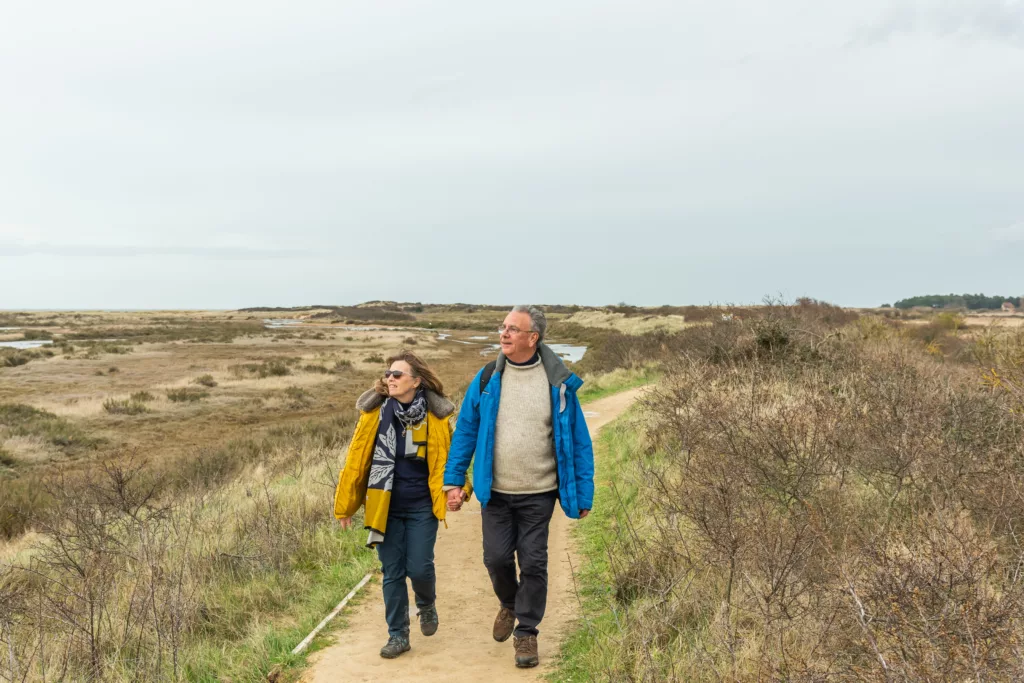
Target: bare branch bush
{"type": "Point", "coordinates": [821, 499]}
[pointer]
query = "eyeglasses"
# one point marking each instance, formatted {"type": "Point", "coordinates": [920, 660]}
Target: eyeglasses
{"type": "Point", "coordinates": [397, 374]}
{"type": "Point", "coordinates": [511, 329]}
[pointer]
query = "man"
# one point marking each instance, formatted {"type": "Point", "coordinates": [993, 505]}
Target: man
{"type": "Point", "coordinates": [523, 422]}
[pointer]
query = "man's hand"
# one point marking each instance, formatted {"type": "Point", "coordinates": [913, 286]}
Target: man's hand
{"type": "Point", "coordinates": [456, 497]}
{"type": "Point", "coordinates": [345, 522]}
{"type": "Point", "coordinates": [584, 513]}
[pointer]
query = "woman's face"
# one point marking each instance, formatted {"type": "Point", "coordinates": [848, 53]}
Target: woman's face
{"type": "Point", "coordinates": [401, 383]}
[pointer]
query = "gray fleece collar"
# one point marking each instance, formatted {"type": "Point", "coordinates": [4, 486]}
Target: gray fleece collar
{"type": "Point", "coordinates": [553, 365]}
{"type": "Point", "coordinates": [437, 404]}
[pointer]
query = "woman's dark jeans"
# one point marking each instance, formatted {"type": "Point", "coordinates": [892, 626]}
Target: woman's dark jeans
{"type": "Point", "coordinates": [407, 551]}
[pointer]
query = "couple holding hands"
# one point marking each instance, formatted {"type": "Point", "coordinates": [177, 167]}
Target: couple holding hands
{"type": "Point", "coordinates": [523, 423]}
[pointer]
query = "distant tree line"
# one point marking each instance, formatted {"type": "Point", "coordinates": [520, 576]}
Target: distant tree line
{"type": "Point", "coordinates": [969, 301]}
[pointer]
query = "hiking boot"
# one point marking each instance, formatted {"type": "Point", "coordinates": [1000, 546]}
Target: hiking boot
{"type": "Point", "coordinates": [396, 646]}
{"type": "Point", "coordinates": [526, 652]}
{"type": "Point", "coordinates": [504, 624]}
{"type": "Point", "coordinates": [428, 620]}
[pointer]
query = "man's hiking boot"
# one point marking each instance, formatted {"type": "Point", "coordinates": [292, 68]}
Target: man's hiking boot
{"type": "Point", "coordinates": [428, 620]}
{"type": "Point", "coordinates": [396, 646]}
{"type": "Point", "coordinates": [526, 652]}
{"type": "Point", "coordinates": [504, 624]}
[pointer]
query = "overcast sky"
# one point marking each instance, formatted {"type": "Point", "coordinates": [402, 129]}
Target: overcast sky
{"type": "Point", "coordinates": [229, 154]}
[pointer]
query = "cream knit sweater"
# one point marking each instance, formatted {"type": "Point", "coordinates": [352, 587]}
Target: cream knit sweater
{"type": "Point", "coordinates": [524, 453]}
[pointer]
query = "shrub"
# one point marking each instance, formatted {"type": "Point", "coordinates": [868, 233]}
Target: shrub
{"type": "Point", "coordinates": [298, 397]}
{"type": "Point", "coordinates": [824, 505]}
{"type": "Point", "coordinates": [186, 394]}
{"type": "Point", "coordinates": [205, 380]}
{"type": "Point", "coordinates": [320, 369]}
{"type": "Point", "coordinates": [375, 358]}
{"type": "Point", "coordinates": [342, 364]}
{"type": "Point", "coordinates": [141, 396]}
{"type": "Point", "coordinates": [13, 360]}
{"type": "Point", "coordinates": [268, 368]}
{"type": "Point", "coordinates": [409, 341]}
{"type": "Point", "coordinates": [124, 407]}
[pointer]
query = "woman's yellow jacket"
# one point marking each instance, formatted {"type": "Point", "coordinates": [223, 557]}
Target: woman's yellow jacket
{"type": "Point", "coordinates": [354, 477]}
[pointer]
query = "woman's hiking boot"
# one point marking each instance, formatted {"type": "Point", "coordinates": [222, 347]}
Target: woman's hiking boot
{"type": "Point", "coordinates": [526, 652]}
{"type": "Point", "coordinates": [504, 624]}
{"type": "Point", "coordinates": [396, 646]}
{"type": "Point", "coordinates": [428, 620]}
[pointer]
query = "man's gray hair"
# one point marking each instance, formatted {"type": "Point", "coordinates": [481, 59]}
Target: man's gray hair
{"type": "Point", "coordinates": [538, 322]}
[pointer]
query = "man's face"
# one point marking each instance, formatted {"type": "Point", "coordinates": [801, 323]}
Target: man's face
{"type": "Point", "coordinates": [517, 341]}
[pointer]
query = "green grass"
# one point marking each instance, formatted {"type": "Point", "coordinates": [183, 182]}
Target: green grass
{"type": "Point", "coordinates": [602, 385]}
{"type": "Point", "coordinates": [243, 645]}
{"type": "Point", "coordinates": [17, 419]}
{"type": "Point", "coordinates": [582, 652]}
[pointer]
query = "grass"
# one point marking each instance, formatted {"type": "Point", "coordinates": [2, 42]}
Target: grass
{"type": "Point", "coordinates": [328, 567]}
{"type": "Point", "coordinates": [22, 420]}
{"type": "Point", "coordinates": [605, 384]}
{"type": "Point", "coordinates": [584, 651]}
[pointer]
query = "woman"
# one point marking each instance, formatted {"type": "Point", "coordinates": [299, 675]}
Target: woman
{"type": "Point", "coordinates": [396, 465]}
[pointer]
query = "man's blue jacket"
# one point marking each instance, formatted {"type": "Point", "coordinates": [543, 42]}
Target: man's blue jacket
{"type": "Point", "coordinates": [474, 434]}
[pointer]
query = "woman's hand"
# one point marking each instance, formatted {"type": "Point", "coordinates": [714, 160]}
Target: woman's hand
{"type": "Point", "coordinates": [345, 523]}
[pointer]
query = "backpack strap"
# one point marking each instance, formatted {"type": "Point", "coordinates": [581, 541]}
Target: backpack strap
{"type": "Point", "coordinates": [486, 376]}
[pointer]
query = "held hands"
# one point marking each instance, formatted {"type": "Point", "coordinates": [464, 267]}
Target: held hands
{"type": "Point", "coordinates": [456, 497]}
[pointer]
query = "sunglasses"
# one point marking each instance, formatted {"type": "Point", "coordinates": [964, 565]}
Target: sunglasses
{"type": "Point", "coordinates": [397, 374]}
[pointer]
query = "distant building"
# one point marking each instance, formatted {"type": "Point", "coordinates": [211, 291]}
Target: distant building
{"type": "Point", "coordinates": [1009, 308]}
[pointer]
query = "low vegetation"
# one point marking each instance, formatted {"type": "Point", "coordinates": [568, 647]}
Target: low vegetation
{"type": "Point", "coordinates": [268, 368]}
{"type": "Point", "coordinates": [23, 420]}
{"type": "Point", "coordinates": [124, 406]}
{"type": "Point", "coordinates": [12, 358]}
{"type": "Point", "coordinates": [186, 395]}
{"type": "Point", "coordinates": [808, 497]}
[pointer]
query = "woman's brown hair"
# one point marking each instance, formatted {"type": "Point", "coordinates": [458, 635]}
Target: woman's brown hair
{"type": "Point", "coordinates": [429, 380]}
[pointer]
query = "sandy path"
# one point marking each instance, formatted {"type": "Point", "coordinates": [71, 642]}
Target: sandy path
{"type": "Point", "coordinates": [462, 647]}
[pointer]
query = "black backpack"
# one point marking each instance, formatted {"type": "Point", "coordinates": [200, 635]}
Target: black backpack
{"type": "Point", "coordinates": [485, 377]}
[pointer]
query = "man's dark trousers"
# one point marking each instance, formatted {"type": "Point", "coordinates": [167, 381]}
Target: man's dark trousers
{"type": "Point", "coordinates": [516, 525]}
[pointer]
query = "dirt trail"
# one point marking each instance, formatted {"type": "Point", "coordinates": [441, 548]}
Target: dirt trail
{"type": "Point", "coordinates": [462, 647]}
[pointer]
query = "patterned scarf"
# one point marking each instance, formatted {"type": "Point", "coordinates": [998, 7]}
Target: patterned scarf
{"type": "Point", "coordinates": [413, 423]}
